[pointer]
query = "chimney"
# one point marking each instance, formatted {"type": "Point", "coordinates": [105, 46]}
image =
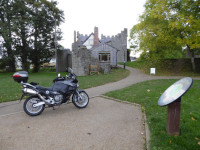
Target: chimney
{"type": "Point", "coordinates": [74, 36]}
{"type": "Point", "coordinates": [96, 36]}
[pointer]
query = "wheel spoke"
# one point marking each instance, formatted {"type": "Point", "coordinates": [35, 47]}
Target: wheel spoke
{"type": "Point", "coordinates": [82, 100]}
{"type": "Point", "coordinates": [30, 108]}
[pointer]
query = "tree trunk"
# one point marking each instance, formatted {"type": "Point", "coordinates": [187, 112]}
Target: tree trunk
{"type": "Point", "coordinates": [25, 64]}
{"type": "Point", "coordinates": [8, 45]}
{"type": "Point", "coordinates": [11, 58]}
{"type": "Point", "coordinates": [36, 60]}
{"type": "Point", "coordinates": [36, 67]}
{"type": "Point", "coordinates": [11, 64]}
{"type": "Point", "coordinates": [24, 47]}
{"type": "Point", "coordinates": [192, 58]}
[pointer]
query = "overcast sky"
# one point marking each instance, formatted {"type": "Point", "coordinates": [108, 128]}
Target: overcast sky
{"type": "Point", "coordinates": [110, 16]}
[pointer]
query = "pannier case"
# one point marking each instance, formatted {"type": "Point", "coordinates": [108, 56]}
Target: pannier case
{"type": "Point", "coordinates": [21, 76]}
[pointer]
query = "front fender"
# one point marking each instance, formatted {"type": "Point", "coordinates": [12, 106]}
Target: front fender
{"type": "Point", "coordinates": [80, 90]}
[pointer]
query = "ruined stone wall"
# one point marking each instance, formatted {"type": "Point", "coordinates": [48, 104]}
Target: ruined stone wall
{"type": "Point", "coordinates": [81, 58]}
{"type": "Point", "coordinates": [64, 60]}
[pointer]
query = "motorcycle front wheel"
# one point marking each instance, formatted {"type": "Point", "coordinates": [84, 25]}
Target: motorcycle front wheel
{"type": "Point", "coordinates": [80, 100]}
{"type": "Point", "coordinates": [29, 106]}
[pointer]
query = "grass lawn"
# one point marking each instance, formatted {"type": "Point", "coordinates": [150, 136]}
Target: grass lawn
{"type": "Point", "coordinates": [161, 69]}
{"type": "Point", "coordinates": [10, 90]}
{"type": "Point", "coordinates": [147, 94]}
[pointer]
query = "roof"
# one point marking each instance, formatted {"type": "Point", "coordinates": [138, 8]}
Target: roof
{"type": "Point", "coordinates": [83, 39]}
{"type": "Point", "coordinates": [88, 37]}
{"type": "Point", "coordinates": [105, 40]}
{"type": "Point", "coordinates": [100, 44]}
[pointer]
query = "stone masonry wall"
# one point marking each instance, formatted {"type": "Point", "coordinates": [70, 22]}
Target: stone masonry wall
{"type": "Point", "coordinates": [64, 60]}
{"type": "Point", "coordinates": [81, 58]}
{"type": "Point", "coordinates": [119, 41]}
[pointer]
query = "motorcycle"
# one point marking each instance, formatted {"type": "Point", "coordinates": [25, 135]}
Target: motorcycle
{"type": "Point", "coordinates": [59, 93]}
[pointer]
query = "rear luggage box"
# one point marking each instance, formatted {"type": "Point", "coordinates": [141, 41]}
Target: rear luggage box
{"type": "Point", "coordinates": [21, 76]}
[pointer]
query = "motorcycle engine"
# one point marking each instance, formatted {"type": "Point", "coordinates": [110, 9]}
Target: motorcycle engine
{"type": "Point", "coordinates": [58, 98]}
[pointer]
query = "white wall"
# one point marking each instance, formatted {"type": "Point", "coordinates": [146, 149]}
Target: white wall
{"type": "Point", "coordinates": [90, 42]}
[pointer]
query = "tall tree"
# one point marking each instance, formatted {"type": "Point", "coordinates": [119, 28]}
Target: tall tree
{"type": "Point", "coordinates": [46, 16]}
{"type": "Point", "coordinates": [6, 31]}
{"type": "Point", "coordinates": [186, 20]}
{"type": "Point", "coordinates": [27, 28]}
{"type": "Point", "coordinates": [166, 26]}
{"type": "Point", "coordinates": [22, 28]}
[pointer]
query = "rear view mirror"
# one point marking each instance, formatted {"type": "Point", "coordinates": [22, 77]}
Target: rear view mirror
{"type": "Point", "coordinates": [70, 70]}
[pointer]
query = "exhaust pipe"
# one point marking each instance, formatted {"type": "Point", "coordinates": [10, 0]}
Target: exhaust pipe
{"type": "Point", "coordinates": [33, 92]}
{"type": "Point", "coordinates": [29, 91]}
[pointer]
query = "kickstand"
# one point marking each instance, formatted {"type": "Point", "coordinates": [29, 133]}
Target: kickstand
{"type": "Point", "coordinates": [54, 108]}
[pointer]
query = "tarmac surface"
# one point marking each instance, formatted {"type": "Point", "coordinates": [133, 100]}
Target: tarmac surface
{"type": "Point", "coordinates": [103, 125]}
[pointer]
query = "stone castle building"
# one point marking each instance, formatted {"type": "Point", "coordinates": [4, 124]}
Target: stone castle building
{"type": "Point", "coordinates": [90, 49]}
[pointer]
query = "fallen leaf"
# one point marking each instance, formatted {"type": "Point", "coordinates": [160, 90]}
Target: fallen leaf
{"type": "Point", "coordinates": [193, 118]}
{"type": "Point", "coordinates": [196, 138]}
{"type": "Point", "coordinates": [170, 141]}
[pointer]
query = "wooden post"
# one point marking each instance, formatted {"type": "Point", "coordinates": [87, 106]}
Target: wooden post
{"type": "Point", "coordinates": [173, 117]}
{"type": "Point", "coordinates": [90, 69]}
{"type": "Point", "coordinates": [97, 68]}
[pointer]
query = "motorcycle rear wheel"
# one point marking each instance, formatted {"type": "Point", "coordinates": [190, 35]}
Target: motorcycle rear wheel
{"type": "Point", "coordinates": [80, 102]}
{"type": "Point", "coordinates": [30, 109]}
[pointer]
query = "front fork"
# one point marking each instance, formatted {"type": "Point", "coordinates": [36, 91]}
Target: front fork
{"type": "Point", "coordinates": [77, 91]}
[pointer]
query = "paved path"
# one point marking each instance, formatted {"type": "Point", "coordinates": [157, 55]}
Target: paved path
{"type": "Point", "coordinates": [104, 124]}
{"type": "Point", "coordinates": [135, 76]}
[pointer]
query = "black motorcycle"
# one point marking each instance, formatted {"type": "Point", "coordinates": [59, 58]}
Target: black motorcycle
{"type": "Point", "coordinates": [60, 92]}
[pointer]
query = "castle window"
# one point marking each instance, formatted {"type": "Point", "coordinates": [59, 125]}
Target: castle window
{"type": "Point", "coordinates": [104, 57]}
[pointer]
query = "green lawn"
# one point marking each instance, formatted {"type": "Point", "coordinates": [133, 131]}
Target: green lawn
{"type": "Point", "coordinates": [162, 68]}
{"type": "Point", "coordinates": [147, 94]}
{"type": "Point", "coordinates": [10, 90]}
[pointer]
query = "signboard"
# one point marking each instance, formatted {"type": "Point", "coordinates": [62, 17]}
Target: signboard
{"type": "Point", "coordinates": [175, 91]}
{"type": "Point", "coordinates": [153, 71]}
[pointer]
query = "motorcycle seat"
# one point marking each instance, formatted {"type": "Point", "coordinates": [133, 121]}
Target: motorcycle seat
{"type": "Point", "coordinates": [43, 88]}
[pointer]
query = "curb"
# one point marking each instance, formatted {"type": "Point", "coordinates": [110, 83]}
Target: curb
{"type": "Point", "coordinates": [146, 127]}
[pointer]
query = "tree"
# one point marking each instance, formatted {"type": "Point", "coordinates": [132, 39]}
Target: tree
{"type": "Point", "coordinates": [27, 28]}
{"type": "Point", "coordinates": [46, 16]}
{"type": "Point", "coordinates": [186, 20]}
{"type": "Point", "coordinates": [23, 31]}
{"type": "Point", "coordinates": [154, 33]}
{"type": "Point", "coordinates": [6, 32]}
{"type": "Point", "coordinates": [166, 26]}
